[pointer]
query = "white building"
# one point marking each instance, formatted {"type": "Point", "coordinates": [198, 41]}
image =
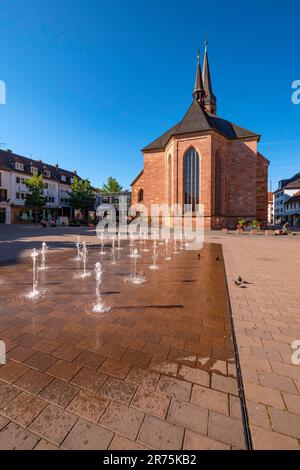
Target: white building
{"type": "Point", "coordinates": [5, 197]}
{"type": "Point", "coordinates": [286, 190]}
{"type": "Point", "coordinates": [14, 171]}
{"type": "Point", "coordinates": [120, 201]}
{"type": "Point", "coordinates": [270, 208]}
{"type": "Point", "coordinates": [292, 210]}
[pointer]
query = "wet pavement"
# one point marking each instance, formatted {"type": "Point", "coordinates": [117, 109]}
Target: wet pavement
{"type": "Point", "coordinates": [156, 372]}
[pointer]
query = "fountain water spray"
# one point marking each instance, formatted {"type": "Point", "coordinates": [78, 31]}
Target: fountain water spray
{"type": "Point", "coordinates": [160, 238]}
{"type": "Point", "coordinates": [136, 278]}
{"type": "Point", "coordinates": [133, 251]}
{"type": "Point", "coordinates": [154, 256]}
{"type": "Point", "coordinates": [119, 241]}
{"type": "Point", "coordinates": [181, 247]}
{"type": "Point", "coordinates": [113, 257]}
{"type": "Point", "coordinates": [43, 252]}
{"type": "Point", "coordinates": [99, 306]}
{"type": "Point", "coordinates": [102, 252]}
{"type": "Point", "coordinates": [145, 249]}
{"type": "Point", "coordinates": [175, 250]}
{"type": "Point", "coordinates": [168, 257]}
{"type": "Point", "coordinates": [78, 246]}
{"type": "Point", "coordinates": [83, 254]}
{"type": "Point", "coordinates": [141, 235]}
{"type": "Point", "coordinates": [35, 293]}
{"type": "Point", "coordinates": [131, 243]}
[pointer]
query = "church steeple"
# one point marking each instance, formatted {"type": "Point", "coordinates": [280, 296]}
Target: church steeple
{"type": "Point", "coordinates": [210, 99]}
{"type": "Point", "coordinates": [199, 93]}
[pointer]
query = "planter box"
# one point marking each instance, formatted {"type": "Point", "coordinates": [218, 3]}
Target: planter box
{"type": "Point", "coordinates": [239, 231]}
{"type": "Point", "coordinates": [254, 231]}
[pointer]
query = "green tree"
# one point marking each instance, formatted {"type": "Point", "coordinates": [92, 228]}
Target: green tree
{"type": "Point", "coordinates": [35, 199]}
{"type": "Point", "coordinates": [81, 196]}
{"type": "Point", "coordinates": [112, 186]}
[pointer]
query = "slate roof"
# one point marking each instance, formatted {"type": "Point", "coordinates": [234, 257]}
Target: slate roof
{"type": "Point", "coordinates": [8, 159]}
{"type": "Point", "coordinates": [197, 119]}
{"type": "Point", "coordinates": [210, 97]}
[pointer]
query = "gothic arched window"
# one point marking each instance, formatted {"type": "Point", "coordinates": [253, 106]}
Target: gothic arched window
{"type": "Point", "coordinates": [140, 195]}
{"type": "Point", "coordinates": [218, 184]}
{"type": "Point", "coordinates": [191, 178]}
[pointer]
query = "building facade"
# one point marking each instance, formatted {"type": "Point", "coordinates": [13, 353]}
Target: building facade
{"type": "Point", "coordinates": [285, 206]}
{"type": "Point", "coordinates": [120, 201]}
{"type": "Point", "coordinates": [270, 208]}
{"type": "Point", "coordinates": [292, 210]}
{"type": "Point", "coordinates": [207, 160]}
{"type": "Point", "coordinates": [14, 171]}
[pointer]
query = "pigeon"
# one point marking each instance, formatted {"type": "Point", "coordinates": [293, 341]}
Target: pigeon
{"type": "Point", "coordinates": [199, 256]}
{"type": "Point", "coordinates": [241, 283]}
{"type": "Point", "coordinates": [218, 258]}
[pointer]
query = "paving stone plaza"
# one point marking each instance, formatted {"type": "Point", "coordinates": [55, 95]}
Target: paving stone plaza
{"type": "Point", "coordinates": [158, 370]}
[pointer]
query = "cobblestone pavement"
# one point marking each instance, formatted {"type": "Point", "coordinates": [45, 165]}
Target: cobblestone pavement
{"type": "Point", "coordinates": [156, 372]}
{"type": "Point", "coordinates": [266, 317]}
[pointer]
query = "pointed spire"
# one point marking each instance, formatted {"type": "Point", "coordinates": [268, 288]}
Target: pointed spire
{"type": "Point", "coordinates": [210, 99]}
{"type": "Point", "coordinates": [199, 93]}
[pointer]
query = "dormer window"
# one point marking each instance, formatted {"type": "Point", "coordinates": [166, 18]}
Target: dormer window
{"type": "Point", "coordinates": [34, 170]}
{"type": "Point", "coordinates": [63, 178]}
{"type": "Point", "coordinates": [47, 174]}
{"type": "Point", "coordinates": [19, 166]}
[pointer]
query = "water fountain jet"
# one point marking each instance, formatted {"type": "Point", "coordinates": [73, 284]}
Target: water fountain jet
{"type": "Point", "coordinates": [136, 277]}
{"type": "Point", "coordinates": [131, 236]}
{"type": "Point", "coordinates": [181, 247]}
{"type": "Point", "coordinates": [102, 252]}
{"type": "Point", "coordinates": [43, 253]}
{"type": "Point", "coordinates": [145, 249]}
{"type": "Point", "coordinates": [167, 257]}
{"type": "Point", "coordinates": [119, 241]}
{"type": "Point", "coordinates": [78, 246]}
{"type": "Point", "coordinates": [154, 256]}
{"type": "Point", "coordinates": [35, 292]}
{"type": "Point", "coordinates": [175, 250]}
{"type": "Point", "coordinates": [113, 257]}
{"type": "Point", "coordinates": [133, 251]}
{"type": "Point", "coordinates": [83, 254]}
{"type": "Point", "coordinates": [99, 306]}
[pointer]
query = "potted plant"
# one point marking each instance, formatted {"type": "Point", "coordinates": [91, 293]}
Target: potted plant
{"type": "Point", "coordinates": [255, 224]}
{"type": "Point", "coordinates": [241, 226]}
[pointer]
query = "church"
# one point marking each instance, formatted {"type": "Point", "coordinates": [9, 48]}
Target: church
{"type": "Point", "coordinates": [205, 159]}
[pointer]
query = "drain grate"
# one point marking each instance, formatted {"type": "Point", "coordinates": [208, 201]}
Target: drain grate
{"type": "Point", "coordinates": [149, 306]}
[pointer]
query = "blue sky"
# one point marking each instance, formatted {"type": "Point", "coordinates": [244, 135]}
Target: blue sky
{"type": "Point", "coordinates": [89, 83]}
